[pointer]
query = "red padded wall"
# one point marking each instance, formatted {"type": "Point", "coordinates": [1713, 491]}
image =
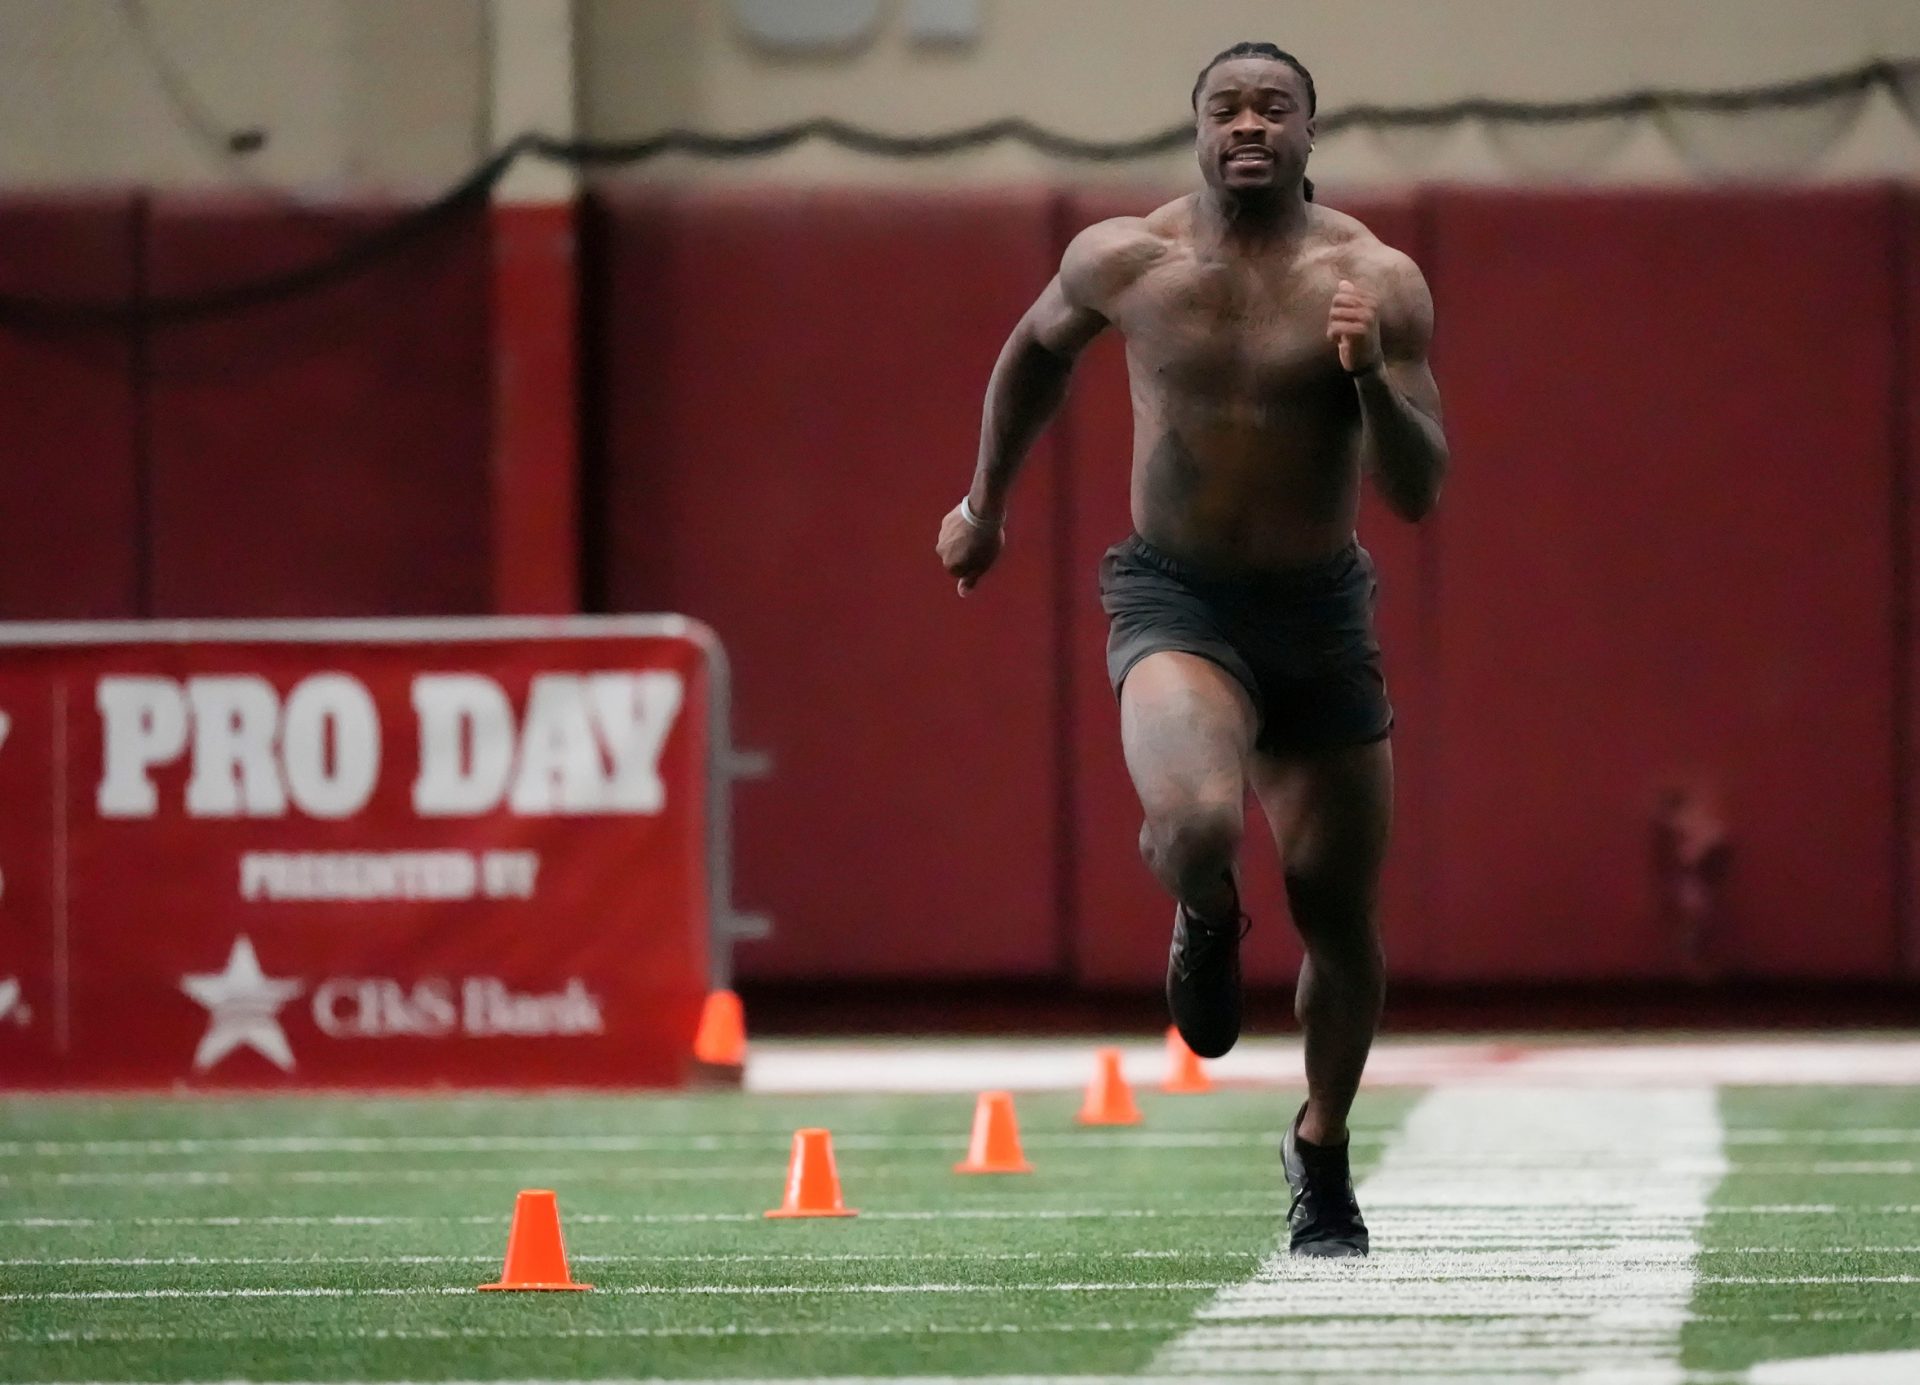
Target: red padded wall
{"type": "Point", "coordinates": [1906, 261]}
{"type": "Point", "coordinates": [1122, 917]}
{"type": "Point", "coordinates": [1666, 559]}
{"type": "Point", "coordinates": [535, 470]}
{"type": "Point", "coordinates": [69, 484]}
{"type": "Point", "coordinates": [326, 454]}
{"type": "Point", "coordinates": [791, 398]}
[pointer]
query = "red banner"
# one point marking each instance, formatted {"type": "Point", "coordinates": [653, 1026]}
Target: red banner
{"type": "Point", "coordinates": [353, 853]}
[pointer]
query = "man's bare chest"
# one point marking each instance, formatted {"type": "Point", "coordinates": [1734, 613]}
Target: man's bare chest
{"type": "Point", "coordinates": [1237, 327]}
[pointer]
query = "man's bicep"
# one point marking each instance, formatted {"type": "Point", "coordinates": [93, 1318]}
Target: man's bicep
{"type": "Point", "coordinates": [1407, 336]}
{"type": "Point", "coordinates": [1059, 325]}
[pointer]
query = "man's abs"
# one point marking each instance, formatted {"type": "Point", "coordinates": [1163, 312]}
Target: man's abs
{"type": "Point", "coordinates": [1245, 501]}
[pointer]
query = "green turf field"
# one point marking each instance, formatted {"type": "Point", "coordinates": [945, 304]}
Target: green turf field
{"type": "Point", "coordinates": [1844, 1243]}
{"type": "Point", "coordinates": [340, 1239]}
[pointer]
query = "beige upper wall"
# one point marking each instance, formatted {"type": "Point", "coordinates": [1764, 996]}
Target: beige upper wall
{"type": "Point", "coordinates": [372, 94]}
{"type": "Point", "coordinates": [1113, 68]}
{"type": "Point", "coordinates": [393, 94]}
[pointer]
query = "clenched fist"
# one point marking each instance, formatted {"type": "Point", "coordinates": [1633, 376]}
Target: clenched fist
{"type": "Point", "coordinates": [968, 549]}
{"type": "Point", "coordinates": [1354, 327]}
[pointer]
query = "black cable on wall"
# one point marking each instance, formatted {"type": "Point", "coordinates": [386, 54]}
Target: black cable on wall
{"type": "Point", "coordinates": [27, 312]}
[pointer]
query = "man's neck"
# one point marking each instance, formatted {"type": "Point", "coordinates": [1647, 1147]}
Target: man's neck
{"type": "Point", "coordinates": [1253, 218]}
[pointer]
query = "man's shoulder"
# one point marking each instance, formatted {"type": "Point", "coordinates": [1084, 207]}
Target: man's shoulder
{"type": "Point", "coordinates": [1359, 249]}
{"type": "Point", "coordinates": [1109, 255]}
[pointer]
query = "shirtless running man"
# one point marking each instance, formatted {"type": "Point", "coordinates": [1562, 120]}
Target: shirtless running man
{"type": "Point", "coordinates": [1278, 352]}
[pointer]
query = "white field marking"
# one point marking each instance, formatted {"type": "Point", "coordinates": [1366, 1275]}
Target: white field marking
{"type": "Point", "coordinates": [1509, 1250]}
{"type": "Point", "coordinates": [1797, 1209]}
{"type": "Point", "coordinates": [1632, 1168]}
{"type": "Point", "coordinates": [957, 1066]}
{"type": "Point", "coordinates": [61, 1336]}
{"type": "Point", "coordinates": [1579, 1227]}
{"type": "Point", "coordinates": [1816, 1315]}
{"type": "Point", "coordinates": [1862, 1368]}
{"type": "Point", "coordinates": [1473, 1177]}
{"type": "Point", "coordinates": [310, 1291]}
{"type": "Point", "coordinates": [1810, 1279]}
{"type": "Point", "coordinates": [1810, 1250]}
{"type": "Point", "coordinates": [1755, 1135]}
{"type": "Point", "coordinates": [1323, 1373]}
{"type": "Point", "coordinates": [635, 1290]}
{"type": "Point", "coordinates": [1343, 1369]}
{"type": "Point", "coordinates": [767, 1258]}
{"type": "Point", "coordinates": [1573, 1302]}
{"type": "Point", "coordinates": [1493, 1258]}
{"type": "Point", "coordinates": [769, 1143]}
{"type": "Point", "coordinates": [661, 1218]}
{"type": "Point", "coordinates": [1824, 1167]}
{"type": "Point", "coordinates": [775, 1142]}
{"type": "Point", "coordinates": [605, 1173]}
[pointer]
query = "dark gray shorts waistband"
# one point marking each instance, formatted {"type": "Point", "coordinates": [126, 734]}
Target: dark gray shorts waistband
{"type": "Point", "coordinates": [1310, 577]}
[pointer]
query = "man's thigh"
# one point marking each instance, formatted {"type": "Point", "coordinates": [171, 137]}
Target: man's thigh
{"type": "Point", "coordinates": [1332, 814]}
{"type": "Point", "coordinates": [1187, 726]}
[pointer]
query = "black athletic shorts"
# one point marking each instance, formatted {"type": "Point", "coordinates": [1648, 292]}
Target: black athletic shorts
{"type": "Point", "coordinates": [1300, 641]}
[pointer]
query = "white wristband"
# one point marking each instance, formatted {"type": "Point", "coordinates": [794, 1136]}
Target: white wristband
{"type": "Point", "coordinates": [966, 513]}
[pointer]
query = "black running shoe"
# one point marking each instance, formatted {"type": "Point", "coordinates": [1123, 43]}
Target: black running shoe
{"type": "Point", "coordinates": [1203, 980]}
{"type": "Point", "coordinates": [1324, 1218]}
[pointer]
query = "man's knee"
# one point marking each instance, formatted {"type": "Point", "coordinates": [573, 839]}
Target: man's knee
{"type": "Point", "coordinates": [1191, 848]}
{"type": "Point", "coordinates": [1337, 920]}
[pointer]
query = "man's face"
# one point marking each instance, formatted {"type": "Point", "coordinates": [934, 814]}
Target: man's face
{"type": "Point", "coordinates": [1252, 126]}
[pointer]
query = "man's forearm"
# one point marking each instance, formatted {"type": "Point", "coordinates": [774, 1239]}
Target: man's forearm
{"type": "Point", "coordinates": [1405, 448]}
{"type": "Point", "coordinates": [1026, 389]}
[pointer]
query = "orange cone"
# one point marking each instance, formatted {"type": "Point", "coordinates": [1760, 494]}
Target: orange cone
{"type": "Point", "coordinates": [722, 1037]}
{"type": "Point", "coordinates": [536, 1256]}
{"type": "Point", "coordinates": [1109, 1098]}
{"type": "Point", "coordinates": [1185, 1072]}
{"type": "Point", "coordinates": [813, 1185]}
{"type": "Point", "coordinates": [996, 1138]}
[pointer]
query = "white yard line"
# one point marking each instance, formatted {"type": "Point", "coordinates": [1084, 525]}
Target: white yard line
{"type": "Point", "coordinates": [1627, 1171]}
{"type": "Point", "coordinates": [189, 1178]}
{"type": "Point", "coordinates": [1570, 1226]}
{"type": "Point", "coordinates": [636, 1290]}
{"type": "Point", "coordinates": [1866, 1368]}
{"type": "Point", "coordinates": [1796, 1209]}
{"type": "Point", "coordinates": [777, 1142]}
{"type": "Point", "coordinates": [772, 1142]}
{"type": "Point", "coordinates": [1574, 1171]}
{"type": "Point", "coordinates": [1496, 1230]}
{"type": "Point", "coordinates": [767, 1258]}
{"type": "Point", "coordinates": [1407, 1332]}
{"type": "Point", "coordinates": [446, 1334]}
{"type": "Point", "coordinates": [1810, 1135]}
{"type": "Point", "coordinates": [659, 1218]}
{"type": "Point", "coordinates": [1497, 1257]}
{"type": "Point", "coordinates": [1564, 1305]}
{"type": "Point", "coordinates": [1560, 1293]}
{"type": "Point", "coordinates": [305, 1291]}
{"type": "Point", "coordinates": [510, 1173]}
{"type": "Point", "coordinates": [960, 1066]}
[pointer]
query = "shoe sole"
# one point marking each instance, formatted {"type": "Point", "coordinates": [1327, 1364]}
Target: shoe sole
{"type": "Point", "coordinates": [1204, 1044]}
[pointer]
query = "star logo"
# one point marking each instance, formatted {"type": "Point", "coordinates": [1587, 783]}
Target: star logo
{"type": "Point", "coordinates": [244, 1003]}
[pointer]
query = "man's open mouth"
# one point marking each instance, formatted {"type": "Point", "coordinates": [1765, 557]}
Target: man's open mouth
{"type": "Point", "coordinates": [1250, 156]}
